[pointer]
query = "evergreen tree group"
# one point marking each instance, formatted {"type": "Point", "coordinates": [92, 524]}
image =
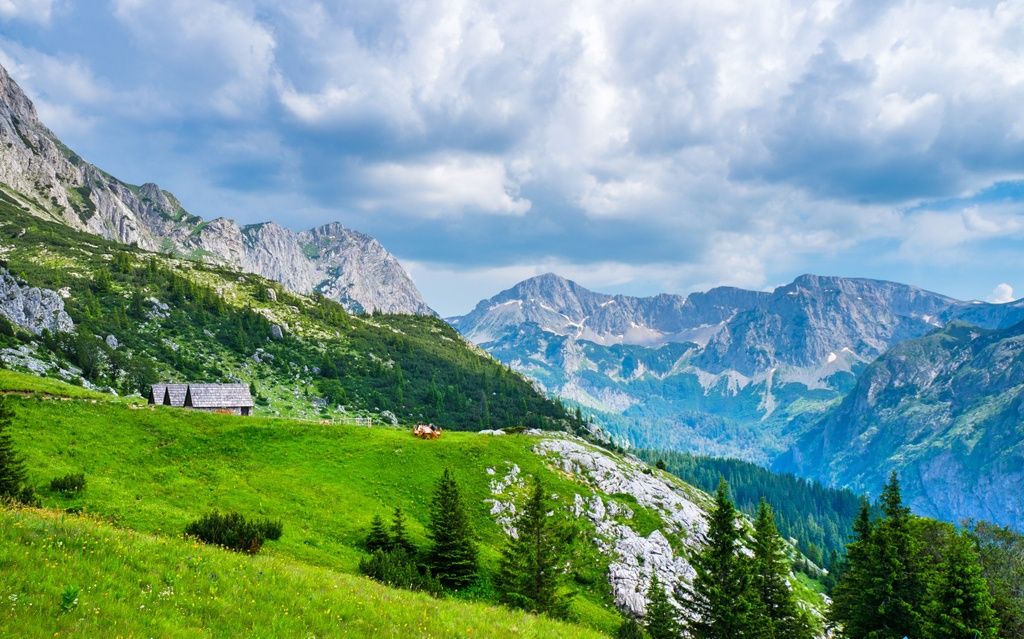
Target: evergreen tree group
{"type": "Point", "coordinates": [450, 562]}
{"type": "Point", "coordinates": [741, 588]}
{"type": "Point", "coordinates": [906, 577]}
{"type": "Point", "coordinates": [534, 561]}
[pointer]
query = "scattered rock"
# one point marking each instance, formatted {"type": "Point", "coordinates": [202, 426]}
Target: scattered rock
{"type": "Point", "coordinates": [490, 431]}
{"type": "Point", "coordinates": [389, 417]}
{"type": "Point", "coordinates": [276, 333]}
{"type": "Point", "coordinates": [112, 342]}
{"type": "Point", "coordinates": [271, 295]}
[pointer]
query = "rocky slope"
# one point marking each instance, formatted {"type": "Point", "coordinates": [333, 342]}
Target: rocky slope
{"type": "Point", "coordinates": [43, 176]}
{"type": "Point", "coordinates": [726, 372]}
{"type": "Point", "coordinates": [945, 411]}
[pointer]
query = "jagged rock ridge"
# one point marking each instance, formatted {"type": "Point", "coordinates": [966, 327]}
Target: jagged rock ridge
{"type": "Point", "coordinates": [46, 178]}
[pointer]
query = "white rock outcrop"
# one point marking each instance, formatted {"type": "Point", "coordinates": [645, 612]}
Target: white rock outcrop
{"type": "Point", "coordinates": [33, 309]}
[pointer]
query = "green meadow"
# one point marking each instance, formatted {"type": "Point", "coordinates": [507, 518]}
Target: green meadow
{"type": "Point", "coordinates": [151, 470]}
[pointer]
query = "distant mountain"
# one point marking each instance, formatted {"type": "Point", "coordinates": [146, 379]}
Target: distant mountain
{"type": "Point", "coordinates": [563, 307]}
{"type": "Point", "coordinates": [945, 410]}
{"type": "Point", "coordinates": [726, 372]}
{"type": "Point", "coordinates": [43, 176]}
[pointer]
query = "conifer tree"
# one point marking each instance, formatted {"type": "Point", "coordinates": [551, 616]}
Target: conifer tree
{"type": "Point", "coordinates": [12, 466]}
{"type": "Point", "coordinates": [378, 538]}
{"type": "Point", "coordinates": [720, 599]}
{"type": "Point", "coordinates": [452, 557]}
{"type": "Point", "coordinates": [898, 582]}
{"type": "Point", "coordinates": [778, 616]}
{"type": "Point", "coordinates": [533, 562]}
{"type": "Point", "coordinates": [399, 537]}
{"type": "Point", "coordinates": [853, 600]}
{"type": "Point", "coordinates": [661, 620]}
{"type": "Point", "coordinates": [962, 606]}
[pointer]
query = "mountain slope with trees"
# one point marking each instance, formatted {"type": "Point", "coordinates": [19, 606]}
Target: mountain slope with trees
{"type": "Point", "coordinates": [140, 317]}
{"type": "Point", "coordinates": [945, 411]}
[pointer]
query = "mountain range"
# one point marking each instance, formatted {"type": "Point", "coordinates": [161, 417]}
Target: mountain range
{"type": "Point", "coordinates": [42, 175]}
{"type": "Point", "coordinates": [773, 377]}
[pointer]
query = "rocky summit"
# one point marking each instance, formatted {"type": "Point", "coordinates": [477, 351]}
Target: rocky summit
{"type": "Point", "coordinates": [43, 176]}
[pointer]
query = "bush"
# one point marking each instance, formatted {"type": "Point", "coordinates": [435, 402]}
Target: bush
{"type": "Point", "coordinates": [398, 569]}
{"type": "Point", "coordinates": [71, 483]}
{"type": "Point", "coordinates": [233, 531]}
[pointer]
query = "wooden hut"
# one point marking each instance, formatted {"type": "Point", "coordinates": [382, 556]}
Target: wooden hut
{"type": "Point", "coordinates": [168, 394]}
{"type": "Point", "coordinates": [231, 399]}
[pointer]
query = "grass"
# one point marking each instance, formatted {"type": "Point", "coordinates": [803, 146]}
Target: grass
{"type": "Point", "coordinates": [15, 382]}
{"type": "Point", "coordinates": [154, 469]}
{"type": "Point", "coordinates": [73, 576]}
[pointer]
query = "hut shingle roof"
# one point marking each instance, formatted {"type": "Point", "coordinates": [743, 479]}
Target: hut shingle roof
{"type": "Point", "coordinates": [218, 396]}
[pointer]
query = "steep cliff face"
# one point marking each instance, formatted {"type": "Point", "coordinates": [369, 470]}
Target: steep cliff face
{"type": "Point", "coordinates": [945, 412]}
{"type": "Point", "coordinates": [44, 177]}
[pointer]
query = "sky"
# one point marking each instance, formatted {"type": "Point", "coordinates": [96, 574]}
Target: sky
{"type": "Point", "coordinates": [634, 146]}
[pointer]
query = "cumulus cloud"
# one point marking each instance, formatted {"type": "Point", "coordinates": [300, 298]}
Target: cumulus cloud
{"type": "Point", "coordinates": [1002, 294]}
{"type": "Point", "coordinates": [725, 142]}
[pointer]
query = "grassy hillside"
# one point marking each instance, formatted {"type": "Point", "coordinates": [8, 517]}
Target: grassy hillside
{"type": "Point", "coordinates": [154, 469]}
{"type": "Point", "coordinates": [182, 320]}
{"type": "Point", "coordinates": [76, 576]}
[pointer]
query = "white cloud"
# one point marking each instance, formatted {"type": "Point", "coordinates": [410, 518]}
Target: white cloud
{"type": "Point", "coordinates": [30, 10]}
{"type": "Point", "coordinates": [1002, 294]}
{"type": "Point", "coordinates": [445, 185]}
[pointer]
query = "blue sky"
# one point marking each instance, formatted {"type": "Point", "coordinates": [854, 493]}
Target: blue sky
{"type": "Point", "coordinates": [634, 146]}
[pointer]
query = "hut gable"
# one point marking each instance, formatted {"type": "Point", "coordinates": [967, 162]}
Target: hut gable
{"type": "Point", "coordinates": [158, 394]}
{"type": "Point", "coordinates": [174, 395]}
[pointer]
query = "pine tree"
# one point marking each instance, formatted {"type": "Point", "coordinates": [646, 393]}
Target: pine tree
{"type": "Point", "coordinates": [661, 620]}
{"type": "Point", "coordinates": [721, 599]}
{"type": "Point", "coordinates": [779, 617]}
{"type": "Point", "coordinates": [378, 538]}
{"type": "Point", "coordinates": [452, 557]}
{"type": "Point", "coordinates": [399, 537]}
{"type": "Point", "coordinates": [898, 582]}
{"type": "Point", "coordinates": [12, 466]}
{"type": "Point", "coordinates": [962, 606]}
{"type": "Point", "coordinates": [533, 562]}
{"type": "Point", "coordinates": [853, 601]}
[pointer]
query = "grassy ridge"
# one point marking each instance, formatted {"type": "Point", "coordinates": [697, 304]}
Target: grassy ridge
{"type": "Point", "coordinates": [134, 585]}
{"type": "Point", "coordinates": [154, 469]}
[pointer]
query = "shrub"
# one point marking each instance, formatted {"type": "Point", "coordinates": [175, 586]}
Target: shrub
{"type": "Point", "coordinates": [71, 483]}
{"type": "Point", "coordinates": [398, 569]}
{"type": "Point", "coordinates": [234, 531]}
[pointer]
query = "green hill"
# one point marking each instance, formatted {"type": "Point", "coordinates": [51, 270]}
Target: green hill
{"type": "Point", "coordinates": [127, 584]}
{"type": "Point", "coordinates": [183, 320]}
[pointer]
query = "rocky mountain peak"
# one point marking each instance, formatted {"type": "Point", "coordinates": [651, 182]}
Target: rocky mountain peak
{"type": "Point", "coordinates": [49, 180]}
